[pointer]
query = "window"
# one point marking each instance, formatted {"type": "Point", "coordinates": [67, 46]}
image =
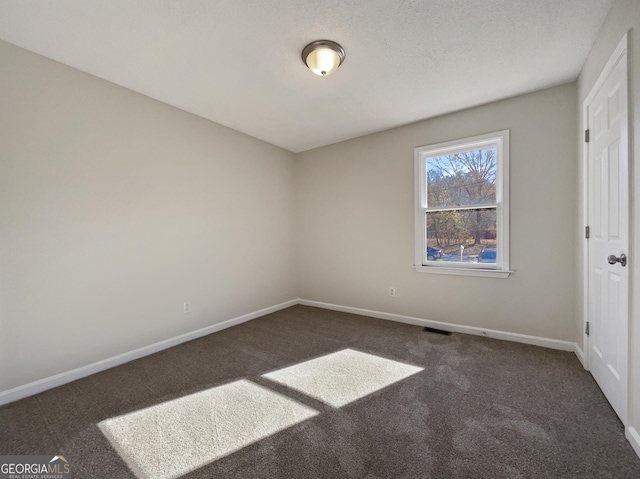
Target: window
{"type": "Point", "coordinates": [462, 206]}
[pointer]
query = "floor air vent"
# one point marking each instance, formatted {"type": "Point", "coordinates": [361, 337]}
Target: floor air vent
{"type": "Point", "coordinates": [437, 331]}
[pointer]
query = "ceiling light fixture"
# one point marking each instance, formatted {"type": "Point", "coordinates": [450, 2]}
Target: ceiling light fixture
{"type": "Point", "coordinates": [323, 57]}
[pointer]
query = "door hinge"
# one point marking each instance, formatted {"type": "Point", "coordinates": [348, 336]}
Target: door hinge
{"type": "Point", "coordinates": [586, 329]}
{"type": "Point", "coordinates": [586, 232]}
{"type": "Point", "coordinates": [586, 135]}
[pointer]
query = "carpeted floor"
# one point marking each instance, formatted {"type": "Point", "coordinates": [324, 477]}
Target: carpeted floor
{"type": "Point", "coordinates": [467, 407]}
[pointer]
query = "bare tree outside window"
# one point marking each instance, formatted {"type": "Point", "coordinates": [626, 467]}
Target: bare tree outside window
{"type": "Point", "coordinates": [462, 188]}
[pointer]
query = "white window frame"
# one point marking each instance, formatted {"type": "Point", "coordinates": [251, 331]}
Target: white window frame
{"type": "Point", "coordinates": [499, 140]}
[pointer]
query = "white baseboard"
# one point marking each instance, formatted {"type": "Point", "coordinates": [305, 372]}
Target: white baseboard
{"type": "Point", "coordinates": [40, 385]}
{"type": "Point", "coordinates": [456, 328]}
{"type": "Point", "coordinates": [580, 354]}
{"type": "Point", "coordinates": [634, 438]}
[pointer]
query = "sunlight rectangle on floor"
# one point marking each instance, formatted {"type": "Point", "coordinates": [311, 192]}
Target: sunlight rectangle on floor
{"type": "Point", "coordinates": [178, 436]}
{"type": "Point", "coordinates": [342, 377]}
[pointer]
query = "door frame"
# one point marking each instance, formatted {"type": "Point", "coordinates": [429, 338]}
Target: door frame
{"type": "Point", "coordinates": [622, 50]}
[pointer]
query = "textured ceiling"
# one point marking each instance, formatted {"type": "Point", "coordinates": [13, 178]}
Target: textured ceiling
{"type": "Point", "coordinates": [238, 62]}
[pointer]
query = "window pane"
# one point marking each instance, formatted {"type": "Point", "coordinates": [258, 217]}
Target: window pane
{"type": "Point", "coordinates": [463, 236]}
{"type": "Point", "coordinates": [467, 178]}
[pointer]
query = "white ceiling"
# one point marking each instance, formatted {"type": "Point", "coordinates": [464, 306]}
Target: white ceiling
{"type": "Point", "coordinates": [238, 62]}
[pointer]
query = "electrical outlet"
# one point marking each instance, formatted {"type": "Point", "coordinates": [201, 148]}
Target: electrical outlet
{"type": "Point", "coordinates": [187, 307]}
{"type": "Point", "coordinates": [392, 292]}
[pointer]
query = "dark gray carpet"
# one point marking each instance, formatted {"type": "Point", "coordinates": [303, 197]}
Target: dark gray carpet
{"type": "Point", "coordinates": [481, 408]}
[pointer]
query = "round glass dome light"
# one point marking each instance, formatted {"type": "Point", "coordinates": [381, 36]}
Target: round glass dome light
{"type": "Point", "coordinates": [323, 57]}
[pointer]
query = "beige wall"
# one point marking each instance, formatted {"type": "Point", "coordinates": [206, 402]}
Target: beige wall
{"type": "Point", "coordinates": [623, 17]}
{"type": "Point", "coordinates": [115, 209]}
{"type": "Point", "coordinates": [355, 221]}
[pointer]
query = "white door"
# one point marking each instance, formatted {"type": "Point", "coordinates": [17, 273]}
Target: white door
{"type": "Point", "coordinates": [608, 207]}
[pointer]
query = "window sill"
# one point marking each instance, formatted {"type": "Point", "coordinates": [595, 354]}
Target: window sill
{"type": "Point", "coordinates": [483, 273]}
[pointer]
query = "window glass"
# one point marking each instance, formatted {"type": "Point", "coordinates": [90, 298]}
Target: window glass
{"type": "Point", "coordinates": [466, 178]}
{"type": "Point", "coordinates": [467, 236]}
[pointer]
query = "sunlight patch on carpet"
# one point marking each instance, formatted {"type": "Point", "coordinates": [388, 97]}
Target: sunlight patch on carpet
{"type": "Point", "coordinates": [342, 377]}
{"type": "Point", "coordinates": [178, 436]}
